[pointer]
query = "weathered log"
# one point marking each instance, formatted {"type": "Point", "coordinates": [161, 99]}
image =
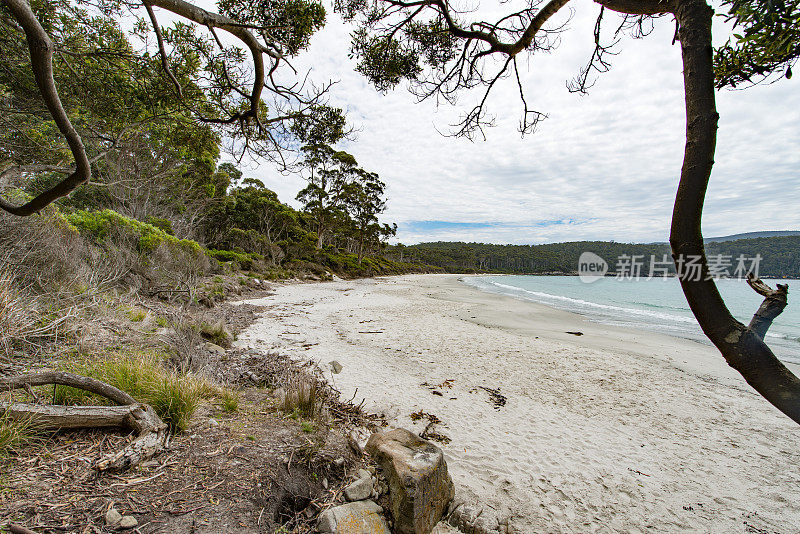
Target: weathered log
{"type": "Point", "coordinates": [49, 417]}
{"type": "Point", "coordinates": [152, 432]}
{"type": "Point", "coordinates": [19, 529]}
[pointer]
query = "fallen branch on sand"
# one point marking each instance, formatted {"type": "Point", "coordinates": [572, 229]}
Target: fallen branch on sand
{"type": "Point", "coordinates": [152, 432]}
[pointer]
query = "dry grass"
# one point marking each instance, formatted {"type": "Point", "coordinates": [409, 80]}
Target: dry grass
{"type": "Point", "coordinates": [174, 396]}
{"type": "Point", "coordinates": [21, 321]}
{"type": "Point", "coordinates": [301, 395]}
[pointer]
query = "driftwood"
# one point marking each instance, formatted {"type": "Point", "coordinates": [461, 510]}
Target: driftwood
{"type": "Point", "coordinates": [152, 432]}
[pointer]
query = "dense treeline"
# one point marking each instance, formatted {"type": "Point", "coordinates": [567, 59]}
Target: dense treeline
{"type": "Point", "coordinates": [780, 256]}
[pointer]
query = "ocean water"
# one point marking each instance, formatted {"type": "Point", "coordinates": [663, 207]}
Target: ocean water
{"type": "Point", "coordinates": [657, 304]}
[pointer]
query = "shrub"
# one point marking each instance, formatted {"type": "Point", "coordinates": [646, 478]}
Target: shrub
{"type": "Point", "coordinates": [102, 224]}
{"type": "Point", "coordinates": [47, 252]}
{"type": "Point", "coordinates": [160, 258]}
{"type": "Point", "coordinates": [244, 260]}
{"type": "Point", "coordinates": [21, 320]}
{"type": "Point", "coordinates": [165, 225]}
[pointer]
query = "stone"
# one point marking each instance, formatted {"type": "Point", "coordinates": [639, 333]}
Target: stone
{"type": "Point", "coordinates": [113, 517]}
{"type": "Point", "coordinates": [215, 349]}
{"type": "Point", "coordinates": [361, 517]}
{"type": "Point", "coordinates": [420, 488]}
{"type": "Point", "coordinates": [354, 443]}
{"type": "Point", "coordinates": [127, 521]}
{"type": "Point", "coordinates": [359, 490]}
{"type": "Point", "coordinates": [336, 367]}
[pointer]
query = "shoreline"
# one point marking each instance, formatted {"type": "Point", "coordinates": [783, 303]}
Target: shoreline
{"type": "Point", "coordinates": [638, 341]}
{"type": "Point", "coordinates": [615, 430]}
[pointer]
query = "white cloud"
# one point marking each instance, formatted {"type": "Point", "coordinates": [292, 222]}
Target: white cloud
{"type": "Point", "coordinates": [609, 160]}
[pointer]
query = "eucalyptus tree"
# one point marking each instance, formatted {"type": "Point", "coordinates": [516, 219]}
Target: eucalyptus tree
{"type": "Point", "coordinates": [444, 48]}
{"type": "Point", "coordinates": [365, 199]}
{"type": "Point", "coordinates": [329, 172]}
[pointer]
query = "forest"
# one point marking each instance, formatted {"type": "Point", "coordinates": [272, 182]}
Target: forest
{"type": "Point", "coordinates": [780, 256]}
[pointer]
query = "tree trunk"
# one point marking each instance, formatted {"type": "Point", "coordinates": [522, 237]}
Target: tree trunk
{"type": "Point", "coordinates": [743, 347]}
{"type": "Point", "coordinates": [360, 247]}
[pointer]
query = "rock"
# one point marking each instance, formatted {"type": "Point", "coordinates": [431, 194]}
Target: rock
{"type": "Point", "coordinates": [362, 517]}
{"type": "Point", "coordinates": [113, 517]}
{"type": "Point", "coordinates": [359, 490]}
{"type": "Point", "coordinates": [213, 422]}
{"type": "Point", "coordinates": [336, 367]}
{"type": "Point", "coordinates": [420, 487]}
{"type": "Point", "coordinates": [352, 442]}
{"type": "Point", "coordinates": [215, 349]}
{"type": "Point", "coordinates": [128, 522]}
{"type": "Point", "coordinates": [363, 473]}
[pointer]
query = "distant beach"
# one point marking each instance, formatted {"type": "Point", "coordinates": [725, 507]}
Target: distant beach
{"type": "Point", "coordinates": [614, 430]}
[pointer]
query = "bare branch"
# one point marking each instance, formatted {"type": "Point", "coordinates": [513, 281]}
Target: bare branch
{"type": "Point", "coordinates": [162, 50]}
{"type": "Point", "coordinates": [775, 300]}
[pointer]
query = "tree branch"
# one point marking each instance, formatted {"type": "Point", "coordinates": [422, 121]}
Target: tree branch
{"type": "Point", "coordinates": [41, 50]}
{"type": "Point", "coordinates": [742, 347]}
{"type": "Point", "coordinates": [640, 7]}
{"type": "Point", "coordinates": [67, 379]}
{"type": "Point", "coordinates": [162, 50]}
{"type": "Point", "coordinates": [775, 300]}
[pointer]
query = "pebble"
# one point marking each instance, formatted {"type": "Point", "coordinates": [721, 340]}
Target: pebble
{"type": "Point", "coordinates": [113, 517]}
{"type": "Point", "coordinates": [128, 522]}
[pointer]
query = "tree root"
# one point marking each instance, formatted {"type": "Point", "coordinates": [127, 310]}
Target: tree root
{"type": "Point", "coordinates": [152, 433]}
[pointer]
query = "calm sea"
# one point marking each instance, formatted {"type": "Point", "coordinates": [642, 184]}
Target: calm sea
{"type": "Point", "coordinates": [657, 304]}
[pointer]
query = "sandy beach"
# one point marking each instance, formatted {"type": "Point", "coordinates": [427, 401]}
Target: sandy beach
{"type": "Point", "coordinates": [616, 430]}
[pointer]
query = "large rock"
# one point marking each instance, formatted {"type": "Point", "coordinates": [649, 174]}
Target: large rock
{"type": "Point", "coordinates": [362, 517]}
{"type": "Point", "coordinates": [419, 486]}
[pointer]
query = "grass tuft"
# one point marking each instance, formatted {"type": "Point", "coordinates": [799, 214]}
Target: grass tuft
{"type": "Point", "coordinates": [216, 333]}
{"type": "Point", "coordinates": [230, 401]}
{"type": "Point", "coordinates": [300, 396]}
{"type": "Point", "coordinates": [14, 434]}
{"type": "Point", "coordinates": [137, 315]}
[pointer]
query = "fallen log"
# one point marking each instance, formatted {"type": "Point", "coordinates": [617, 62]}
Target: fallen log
{"type": "Point", "coordinates": [152, 433]}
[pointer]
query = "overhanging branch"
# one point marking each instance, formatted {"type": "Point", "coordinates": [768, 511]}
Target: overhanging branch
{"type": "Point", "coordinates": [41, 51]}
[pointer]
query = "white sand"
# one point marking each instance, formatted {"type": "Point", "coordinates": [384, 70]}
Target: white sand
{"type": "Point", "coordinates": [613, 431]}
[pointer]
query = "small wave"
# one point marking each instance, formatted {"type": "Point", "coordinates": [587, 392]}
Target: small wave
{"type": "Point", "coordinates": [580, 304]}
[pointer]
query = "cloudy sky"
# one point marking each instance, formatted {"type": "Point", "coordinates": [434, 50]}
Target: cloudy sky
{"type": "Point", "coordinates": [602, 166]}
